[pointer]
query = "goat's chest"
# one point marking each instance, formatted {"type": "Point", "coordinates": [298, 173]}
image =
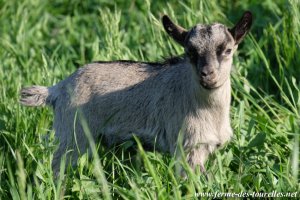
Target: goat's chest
{"type": "Point", "coordinates": [205, 126]}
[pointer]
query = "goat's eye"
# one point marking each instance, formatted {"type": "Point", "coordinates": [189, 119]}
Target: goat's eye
{"type": "Point", "coordinates": [228, 51]}
{"type": "Point", "coordinates": [219, 50]}
{"type": "Point", "coordinates": [192, 56]}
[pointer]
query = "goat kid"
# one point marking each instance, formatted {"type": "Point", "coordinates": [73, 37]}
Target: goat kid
{"type": "Point", "coordinates": [154, 101]}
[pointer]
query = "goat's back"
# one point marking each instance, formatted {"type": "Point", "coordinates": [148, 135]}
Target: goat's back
{"type": "Point", "coordinates": [105, 77]}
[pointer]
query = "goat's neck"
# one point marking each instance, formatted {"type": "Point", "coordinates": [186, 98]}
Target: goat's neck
{"type": "Point", "coordinates": [218, 97]}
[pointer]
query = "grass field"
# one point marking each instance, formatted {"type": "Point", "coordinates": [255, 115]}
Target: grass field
{"type": "Point", "coordinates": [42, 42]}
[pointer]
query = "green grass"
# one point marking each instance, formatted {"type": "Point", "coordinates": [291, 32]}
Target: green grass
{"type": "Point", "coordinates": [42, 42]}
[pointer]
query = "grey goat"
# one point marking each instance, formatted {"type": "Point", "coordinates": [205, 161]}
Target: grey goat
{"type": "Point", "coordinates": [154, 101]}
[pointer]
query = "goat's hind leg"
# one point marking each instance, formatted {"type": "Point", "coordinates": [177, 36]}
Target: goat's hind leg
{"type": "Point", "coordinates": [71, 150]}
{"type": "Point", "coordinates": [71, 138]}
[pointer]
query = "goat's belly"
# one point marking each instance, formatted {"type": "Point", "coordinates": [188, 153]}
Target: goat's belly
{"type": "Point", "coordinates": [149, 138]}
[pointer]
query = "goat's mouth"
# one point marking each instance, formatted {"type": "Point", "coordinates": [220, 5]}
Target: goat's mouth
{"type": "Point", "coordinates": [209, 85]}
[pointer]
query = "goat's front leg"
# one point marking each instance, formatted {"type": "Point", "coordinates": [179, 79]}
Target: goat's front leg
{"type": "Point", "coordinates": [198, 156]}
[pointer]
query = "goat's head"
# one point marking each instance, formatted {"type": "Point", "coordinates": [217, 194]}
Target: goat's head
{"type": "Point", "coordinates": [210, 48]}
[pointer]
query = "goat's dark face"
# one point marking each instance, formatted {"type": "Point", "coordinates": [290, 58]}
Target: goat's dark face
{"type": "Point", "coordinates": [209, 48]}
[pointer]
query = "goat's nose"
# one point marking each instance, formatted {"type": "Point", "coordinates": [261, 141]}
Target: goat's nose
{"type": "Point", "coordinates": [207, 71]}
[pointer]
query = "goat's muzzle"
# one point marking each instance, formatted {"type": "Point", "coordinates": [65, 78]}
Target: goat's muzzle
{"type": "Point", "coordinates": [208, 78]}
{"type": "Point", "coordinates": [209, 84]}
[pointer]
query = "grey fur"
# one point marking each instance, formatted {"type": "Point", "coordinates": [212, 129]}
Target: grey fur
{"type": "Point", "coordinates": [154, 101]}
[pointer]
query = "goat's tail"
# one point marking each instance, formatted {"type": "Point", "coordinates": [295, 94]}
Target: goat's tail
{"type": "Point", "coordinates": [35, 96]}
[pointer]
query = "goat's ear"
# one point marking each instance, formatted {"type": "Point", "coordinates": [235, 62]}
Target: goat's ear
{"type": "Point", "coordinates": [176, 32]}
{"type": "Point", "coordinates": [240, 30]}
